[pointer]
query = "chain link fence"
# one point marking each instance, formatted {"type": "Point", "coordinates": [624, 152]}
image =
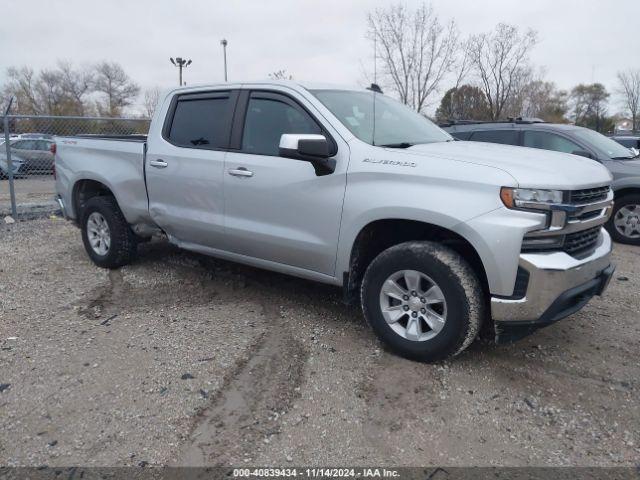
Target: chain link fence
{"type": "Point", "coordinates": [27, 159]}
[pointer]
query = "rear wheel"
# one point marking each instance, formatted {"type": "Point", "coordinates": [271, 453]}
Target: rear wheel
{"type": "Point", "coordinates": [106, 235]}
{"type": "Point", "coordinates": [423, 300]}
{"type": "Point", "coordinates": [624, 224]}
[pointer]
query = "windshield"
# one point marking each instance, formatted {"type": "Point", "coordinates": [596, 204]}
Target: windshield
{"type": "Point", "coordinates": [612, 149]}
{"type": "Point", "coordinates": [395, 124]}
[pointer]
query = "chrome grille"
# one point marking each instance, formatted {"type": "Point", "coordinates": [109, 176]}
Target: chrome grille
{"type": "Point", "coordinates": [588, 195]}
{"type": "Point", "coordinates": [583, 242]}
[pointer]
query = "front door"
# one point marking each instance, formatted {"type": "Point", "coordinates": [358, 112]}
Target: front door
{"type": "Point", "coordinates": [276, 208]}
{"type": "Point", "coordinates": [185, 165]}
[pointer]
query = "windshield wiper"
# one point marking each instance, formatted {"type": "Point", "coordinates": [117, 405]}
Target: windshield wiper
{"type": "Point", "coordinates": [623, 158]}
{"type": "Point", "coordinates": [397, 145]}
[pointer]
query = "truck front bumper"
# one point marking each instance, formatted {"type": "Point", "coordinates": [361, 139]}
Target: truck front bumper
{"type": "Point", "coordinates": [558, 286]}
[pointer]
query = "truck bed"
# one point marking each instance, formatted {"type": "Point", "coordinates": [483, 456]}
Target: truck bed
{"type": "Point", "coordinates": [116, 161]}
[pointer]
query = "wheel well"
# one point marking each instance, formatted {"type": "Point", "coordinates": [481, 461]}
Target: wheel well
{"type": "Point", "coordinates": [84, 190]}
{"type": "Point", "coordinates": [623, 192]}
{"type": "Point", "coordinates": [382, 234]}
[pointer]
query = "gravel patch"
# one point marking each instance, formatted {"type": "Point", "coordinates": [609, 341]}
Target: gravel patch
{"type": "Point", "coordinates": [184, 360]}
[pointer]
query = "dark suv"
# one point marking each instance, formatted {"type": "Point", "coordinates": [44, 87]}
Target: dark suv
{"type": "Point", "coordinates": [629, 141]}
{"type": "Point", "coordinates": [624, 165]}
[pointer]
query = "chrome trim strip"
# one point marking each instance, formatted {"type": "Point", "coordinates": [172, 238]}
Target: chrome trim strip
{"type": "Point", "coordinates": [560, 213]}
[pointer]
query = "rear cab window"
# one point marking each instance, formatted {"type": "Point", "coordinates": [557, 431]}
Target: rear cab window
{"type": "Point", "coordinates": [201, 120]}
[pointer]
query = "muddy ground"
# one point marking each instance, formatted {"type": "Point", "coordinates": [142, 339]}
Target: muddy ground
{"type": "Point", "coordinates": [181, 359]}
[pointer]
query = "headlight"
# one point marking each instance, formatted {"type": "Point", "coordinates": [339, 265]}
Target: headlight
{"type": "Point", "coordinates": [528, 197]}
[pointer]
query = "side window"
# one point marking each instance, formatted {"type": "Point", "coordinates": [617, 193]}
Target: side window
{"type": "Point", "coordinates": [201, 121]}
{"type": "Point", "coordinates": [506, 137]}
{"type": "Point", "coordinates": [42, 145]}
{"type": "Point", "coordinates": [267, 119]}
{"type": "Point", "coordinates": [18, 145]}
{"type": "Point", "coordinates": [27, 145]}
{"type": "Point", "coordinates": [549, 141]}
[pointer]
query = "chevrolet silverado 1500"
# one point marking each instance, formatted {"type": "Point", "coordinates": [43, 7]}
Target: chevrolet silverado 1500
{"type": "Point", "coordinates": [346, 186]}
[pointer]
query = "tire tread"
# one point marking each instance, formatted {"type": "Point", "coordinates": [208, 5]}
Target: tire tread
{"type": "Point", "coordinates": [462, 273]}
{"type": "Point", "coordinates": [123, 242]}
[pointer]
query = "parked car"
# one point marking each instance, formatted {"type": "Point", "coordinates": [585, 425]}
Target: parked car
{"type": "Point", "coordinates": [4, 169]}
{"type": "Point", "coordinates": [351, 188]}
{"type": "Point", "coordinates": [16, 165]}
{"type": "Point", "coordinates": [36, 136]}
{"type": "Point", "coordinates": [629, 141]}
{"type": "Point", "coordinates": [624, 165]}
{"type": "Point", "coordinates": [36, 155]}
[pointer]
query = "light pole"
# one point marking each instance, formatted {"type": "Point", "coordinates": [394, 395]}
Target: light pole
{"type": "Point", "coordinates": [180, 63]}
{"type": "Point", "coordinates": [224, 42]}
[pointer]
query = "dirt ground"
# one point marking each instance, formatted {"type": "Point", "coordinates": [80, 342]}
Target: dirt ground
{"type": "Point", "coordinates": [185, 360]}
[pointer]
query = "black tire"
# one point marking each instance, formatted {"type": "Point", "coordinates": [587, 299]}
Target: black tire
{"type": "Point", "coordinates": [457, 281]}
{"type": "Point", "coordinates": [123, 248]}
{"type": "Point", "coordinates": [611, 228]}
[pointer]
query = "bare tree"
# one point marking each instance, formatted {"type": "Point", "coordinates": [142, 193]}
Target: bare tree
{"type": "Point", "coordinates": [36, 93]}
{"type": "Point", "coordinates": [50, 93]}
{"type": "Point", "coordinates": [77, 85]}
{"type": "Point", "coordinates": [118, 89]}
{"type": "Point", "coordinates": [463, 65]}
{"type": "Point", "coordinates": [151, 98]}
{"type": "Point", "coordinates": [629, 91]}
{"type": "Point", "coordinates": [500, 60]}
{"type": "Point", "coordinates": [543, 100]}
{"type": "Point", "coordinates": [21, 86]}
{"type": "Point", "coordinates": [415, 49]}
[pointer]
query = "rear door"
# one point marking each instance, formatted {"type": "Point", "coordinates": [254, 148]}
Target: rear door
{"type": "Point", "coordinates": [185, 164]}
{"type": "Point", "coordinates": [279, 209]}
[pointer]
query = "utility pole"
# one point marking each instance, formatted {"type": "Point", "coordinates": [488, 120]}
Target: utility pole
{"type": "Point", "coordinates": [224, 42]}
{"type": "Point", "coordinates": [180, 63]}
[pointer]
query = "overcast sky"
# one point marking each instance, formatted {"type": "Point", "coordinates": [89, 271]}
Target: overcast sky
{"type": "Point", "coordinates": [580, 40]}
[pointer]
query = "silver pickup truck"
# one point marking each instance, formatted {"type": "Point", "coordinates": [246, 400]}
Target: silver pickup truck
{"type": "Point", "coordinates": [346, 186]}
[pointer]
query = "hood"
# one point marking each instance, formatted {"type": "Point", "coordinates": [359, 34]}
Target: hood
{"type": "Point", "coordinates": [632, 166]}
{"type": "Point", "coordinates": [531, 167]}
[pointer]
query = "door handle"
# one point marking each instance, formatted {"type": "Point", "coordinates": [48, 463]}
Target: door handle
{"type": "Point", "coordinates": [158, 163]}
{"type": "Point", "coordinates": [241, 172]}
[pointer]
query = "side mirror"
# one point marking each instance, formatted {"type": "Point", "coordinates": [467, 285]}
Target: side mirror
{"type": "Point", "coordinates": [582, 153]}
{"type": "Point", "coordinates": [308, 148]}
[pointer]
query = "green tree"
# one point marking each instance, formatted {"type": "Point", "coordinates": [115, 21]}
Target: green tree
{"type": "Point", "coordinates": [463, 103]}
{"type": "Point", "coordinates": [589, 106]}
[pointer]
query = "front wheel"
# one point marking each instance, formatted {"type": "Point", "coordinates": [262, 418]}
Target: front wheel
{"type": "Point", "coordinates": [106, 235]}
{"type": "Point", "coordinates": [624, 224]}
{"type": "Point", "coordinates": [423, 300]}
